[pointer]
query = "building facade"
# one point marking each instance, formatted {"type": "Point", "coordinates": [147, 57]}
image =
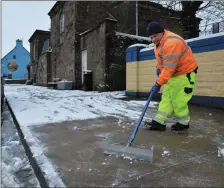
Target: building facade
{"type": "Point", "coordinates": [13, 64]}
{"type": "Point", "coordinates": [37, 41]}
{"type": "Point", "coordinates": [72, 21]}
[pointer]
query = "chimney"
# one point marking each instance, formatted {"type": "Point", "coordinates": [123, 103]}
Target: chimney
{"type": "Point", "coordinates": [19, 43]}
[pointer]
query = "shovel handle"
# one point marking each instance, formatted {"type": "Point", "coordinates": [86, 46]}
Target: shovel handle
{"type": "Point", "coordinates": [133, 135]}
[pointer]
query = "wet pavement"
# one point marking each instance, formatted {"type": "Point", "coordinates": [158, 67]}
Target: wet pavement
{"type": "Point", "coordinates": [16, 170]}
{"type": "Point", "coordinates": [191, 159]}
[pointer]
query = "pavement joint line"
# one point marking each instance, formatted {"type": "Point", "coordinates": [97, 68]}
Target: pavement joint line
{"type": "Point", "coordinates": [37, 170]}
{"type": "Point", "coordinates": [162, 169]}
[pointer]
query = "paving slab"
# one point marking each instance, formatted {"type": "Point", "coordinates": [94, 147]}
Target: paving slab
{"type": "Point", "coordinates": [190, 159]}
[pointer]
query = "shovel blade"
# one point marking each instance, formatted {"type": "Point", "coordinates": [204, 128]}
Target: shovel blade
{"type": "Point", "coordinates": [142, 154]}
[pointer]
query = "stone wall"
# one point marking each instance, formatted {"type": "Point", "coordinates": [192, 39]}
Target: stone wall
{"type": "Point", "coordinates": [35, 52]}
{"type": "Point", "coordinates": [106, 56]}
{"type": "Point", "coordinates": [81, 16]}
{"type": "Point", "coordinates": [44, 69]}
{"type": "Point", "coordinates": [116, 46]}
{"type": "Point", "coordinates": [91, 13]}
{"type": "Point", "coordinates": [95, 44]}
{"type": "Point", "coordinates": [169, 19]}
{"type": "Point", "coordinates": [63, 49]}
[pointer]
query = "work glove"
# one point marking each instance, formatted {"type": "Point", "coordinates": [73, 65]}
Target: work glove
{"type": "Point", "coordinates": [158, 71]}
{"type": "Point", "coordinates": [155, 88]}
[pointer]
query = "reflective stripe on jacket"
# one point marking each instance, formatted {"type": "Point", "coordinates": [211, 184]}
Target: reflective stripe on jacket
{"type": "Point", "coordinates": [174, 57]}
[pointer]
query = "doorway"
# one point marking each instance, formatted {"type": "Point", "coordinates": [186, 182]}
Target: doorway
{"type": "Point", "coordinates": [84, 63]}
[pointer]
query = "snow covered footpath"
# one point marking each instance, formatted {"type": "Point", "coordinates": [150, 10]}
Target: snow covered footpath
{"type": "Point", "coordinates": [33, 106]}
{"type": "Point", "coordinates": [15, 168]}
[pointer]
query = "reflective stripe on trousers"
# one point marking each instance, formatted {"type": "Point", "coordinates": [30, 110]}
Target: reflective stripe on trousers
{"type": "Point", "coordinates": [176, 95]}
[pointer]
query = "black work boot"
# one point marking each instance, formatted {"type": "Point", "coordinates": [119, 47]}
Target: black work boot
{"type": "Point", "coordinates": [179, 127]}
{"type": "Point", "coordinates": [154, 126]}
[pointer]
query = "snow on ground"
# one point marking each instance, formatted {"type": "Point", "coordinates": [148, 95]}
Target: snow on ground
{"type": "Point", "coordinates": [221, 150]}
{"type": "Point", "coordinates": [34, 105]}
{"type": "Point", "coordinates": [16, 170]}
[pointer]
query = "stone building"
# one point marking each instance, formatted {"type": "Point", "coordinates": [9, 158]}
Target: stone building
{"type": "Point", "coordinates": [75, 24]}
{"type": "Point", "coordinates": [43, 73]}
{"type": "Point", "coordinates": [37, 41]}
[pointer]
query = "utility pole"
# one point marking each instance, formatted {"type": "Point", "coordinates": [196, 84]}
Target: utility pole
{"type": "Point", "coordinates": [136, 17]}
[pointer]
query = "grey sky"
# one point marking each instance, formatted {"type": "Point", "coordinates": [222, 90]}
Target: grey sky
{"type": "Point", "coordinates": [20, 19]}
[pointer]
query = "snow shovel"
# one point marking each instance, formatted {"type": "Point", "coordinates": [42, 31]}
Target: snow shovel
{"type": "Point", "coordinates": [134, 153]}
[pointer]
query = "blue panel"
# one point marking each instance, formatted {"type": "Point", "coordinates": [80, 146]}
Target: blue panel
{"type": "Point", "coordinates": [209, 48]}
{"type": "Point", "coordinates": [206, 42]}
{"type": "Point", "coordinates": [134, 48]}
{"type": "Point", "coordinates": [143, 58]}
{"type": "Point", "coordinates": [131, 54]}
{"type": "Point", "coordinates": [130, 93]}
{"type": "Point", "coordinates": [131, 49]}
{"type": "Point", "coordinates": [147, 53]}
{"type": "Point", "coordinates": [197, 46]}
{"type": "Point", "coordinates": [213, 102]}
{"type": "Point", "coordinates": [128, 57]}
{"type": "Point", "coordinates": [134, 53]}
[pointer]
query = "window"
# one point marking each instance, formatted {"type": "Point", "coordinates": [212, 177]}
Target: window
{"type": "Point", "coordinates": [9, 76]}
{"type": "Point", "coordinates": [62, 23]}
{"type": "Point", "coordinates": [34, 50]}
{"type": "Point", "coordinates": [215, 27]}
{"type": "Point", "coordinates": [83, 43]}
{"type": "Point", "coordinates": [14, 56]}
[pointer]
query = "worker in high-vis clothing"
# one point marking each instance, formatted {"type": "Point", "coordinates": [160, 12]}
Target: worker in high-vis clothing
{"type": "Point", "coordinates": [176, 69]}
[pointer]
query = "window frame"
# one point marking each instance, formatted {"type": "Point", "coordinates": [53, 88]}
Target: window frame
{"type": "Point", "coordinates": [61, 23]}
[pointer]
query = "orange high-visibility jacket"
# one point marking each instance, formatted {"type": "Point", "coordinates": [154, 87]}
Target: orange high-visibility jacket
{"type": "Point", "coordinates": [174, 57]}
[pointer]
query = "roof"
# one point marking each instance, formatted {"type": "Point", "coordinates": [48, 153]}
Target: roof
{"type": "Point", "coordinates": [55, 7]}
{"type": "Point", "coordinates": [8, 53]}
{"type": "Point", "coordinates": [59, 4]}
{"type": "Point", "coordinates": [13, 50]}
{"type": "Point", "coordinates": [39, 32]}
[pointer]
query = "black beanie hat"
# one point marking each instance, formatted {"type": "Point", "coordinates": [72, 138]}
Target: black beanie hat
{"type": "Point", "coordinates": [154, 28]}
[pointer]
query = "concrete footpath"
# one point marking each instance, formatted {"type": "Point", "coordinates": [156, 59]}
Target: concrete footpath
{"type": "Point", "coordinates": [186, 160]}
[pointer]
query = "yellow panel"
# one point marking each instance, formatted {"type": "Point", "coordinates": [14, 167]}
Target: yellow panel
{"type": "Point", "coordinates": [212, 55]}
{"type": "Point", "coordinates": [212, 79]}
{"type": "Point", "coordinates": [131, 72]}
{"type": "Point", "coordinates": [209, 81]}
{"type": "Point", "coordinates": [132, 80]}
{"type": "Point", "coordinates": [147, 72]}
{"type": "Point", "coordinates": [151, 79]}
{"type": "Point", "coordinates": [131, 87]}
{"type": "Point", "coordinates": [214, 65]}
{"type": "Point", "coordinates": [131, 76]}
{"type": "Point", "coordinates": [207, 92]}
{"type": "Point", "coordinates": [147, 75]}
